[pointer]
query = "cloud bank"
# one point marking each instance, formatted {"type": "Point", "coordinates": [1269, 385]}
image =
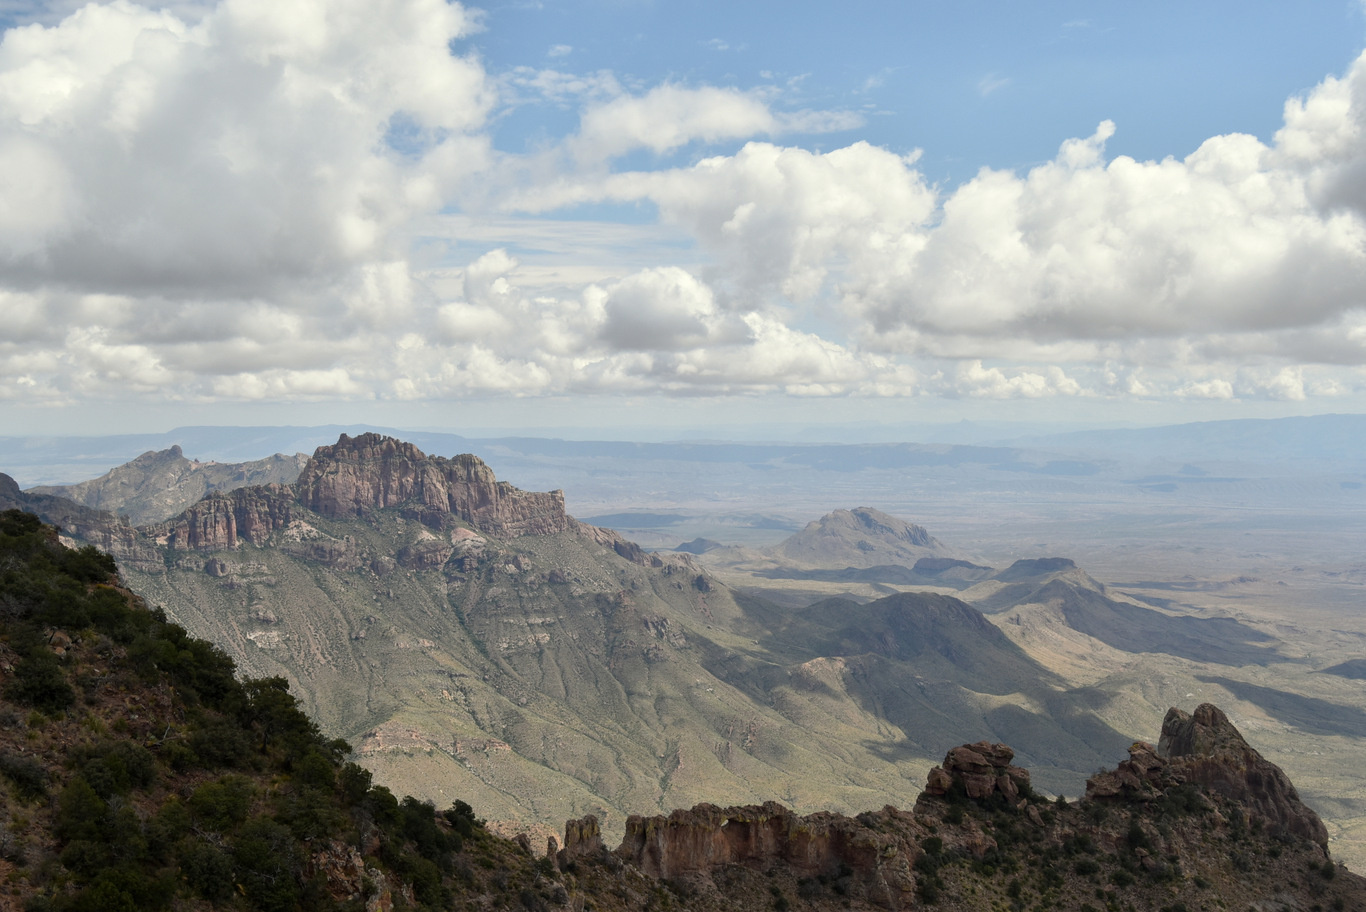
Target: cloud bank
{"type": "Point", "coordinates": [224, 206]}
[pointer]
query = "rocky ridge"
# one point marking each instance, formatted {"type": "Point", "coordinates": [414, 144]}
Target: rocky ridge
{"type": "Point", "coordinates": [162, 483]}
{"type": "Point", "coordinates": [1200, 822]}
{"type": "Point", "coordinates": [363, 474]}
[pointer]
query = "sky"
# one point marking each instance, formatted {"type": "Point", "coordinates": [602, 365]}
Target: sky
{"type": "Point", "coordinates": [642, 217]}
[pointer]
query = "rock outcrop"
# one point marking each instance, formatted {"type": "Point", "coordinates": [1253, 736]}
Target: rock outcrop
{"type": "Point", "coordinates": [353, 477]}
{"type": "Point", "coordinates": [1170, 825]}
{"type": "Point", "coordinates": [220, 521]}
{"type": "Point", "coordinates": [1143, 777]}
{"type": "Point", "coordinates": [982, 770]}
{"type": "Point", "coordinates": [372, 472]}
{"type": "Point", "coordinates": [361, 475]}
{"type": "Point", "coordinates": [1205, 748]}
{"type": "Point", "coordinates": [691, 844]}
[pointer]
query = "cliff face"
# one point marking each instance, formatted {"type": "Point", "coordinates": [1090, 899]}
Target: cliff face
{"type": "Point", "coordinates": [371, 472]}
{"type": "Point", "coordinates": [706, 837]}
{"type": "Point", "coordinates": [220, 521]}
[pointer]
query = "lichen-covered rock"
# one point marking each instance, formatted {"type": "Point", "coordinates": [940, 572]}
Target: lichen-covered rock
{"type": "Point", "coordinates": [582, 837]}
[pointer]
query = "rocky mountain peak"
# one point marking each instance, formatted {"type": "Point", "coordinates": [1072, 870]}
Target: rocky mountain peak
{"type": "Point", "coordinates": [862, 537]}
{"type": "Point", "coordinates": [358, 475]}
{"type": "Point", "coordinates": [1207, 749]}
{"type": "Point", "coordinates": [374, 472]}
{"type": "Point", "coordinates": [1149, 834]}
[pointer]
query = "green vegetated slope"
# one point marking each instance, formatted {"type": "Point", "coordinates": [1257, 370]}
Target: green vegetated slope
{"type": "Point", "coordinates": [138, 773]}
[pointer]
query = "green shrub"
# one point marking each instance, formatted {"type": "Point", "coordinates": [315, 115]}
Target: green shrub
{"type": "Point", "coordinates": [27, 775]}
{"type": "Point", "coordinates": [268, 863]}
{"type": "Point", "coordinates": [206, 868]}
{"type": "Point", "coordinates": [80, 813]}
{"type": "Point", "coordinates": [221, 805]}
{"type": "Point", "coordinates": [116, 767]}
{"type": "Point", "coordinates": [40, 683]}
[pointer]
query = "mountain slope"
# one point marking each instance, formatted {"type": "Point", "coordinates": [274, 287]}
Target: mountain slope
{"type": "Point", "coordinates": [1087, 607]}
{"type": "Point", "coordinates": [471, 638]}
{"type": "Point", "coordinates": [137, 773]}
{"type": "Point", "coordinates": [159, 484]}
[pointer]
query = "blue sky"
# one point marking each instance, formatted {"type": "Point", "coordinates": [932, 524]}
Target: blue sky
{"type": "Point", "coordinates": [647, 217]}
{"type": "Point", "coordinates": [971, 83]}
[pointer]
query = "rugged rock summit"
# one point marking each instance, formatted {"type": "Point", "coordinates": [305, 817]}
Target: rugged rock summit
{"type": "Point", "coordinates": [361, 474]}
{"type": "Point", "coordinates": [983, 769]}
{"type": "Point", "coordinates": [1204, 748]}
{"type": "Point", "coordinates": [373, 472]}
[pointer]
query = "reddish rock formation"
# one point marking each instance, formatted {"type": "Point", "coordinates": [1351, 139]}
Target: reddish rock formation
{"type": "Point", "coordinates": [1205, 748]}
{"type": "Point", "coordinates": [372, 472]}
{"type": "Point", "coordinates": [220, 521]}
{"type": "Point", "coordinates": [1142, 777]}
{"type": "Point", "coordinates": [362, 474]}
{"type": "Point", "coordinates": [984, 769]}
{"type": "Point", "coordinates": [698, 841]}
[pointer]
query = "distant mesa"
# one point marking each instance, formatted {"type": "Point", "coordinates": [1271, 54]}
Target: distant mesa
{"type": "Point", "coordinates": [699, 546]}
